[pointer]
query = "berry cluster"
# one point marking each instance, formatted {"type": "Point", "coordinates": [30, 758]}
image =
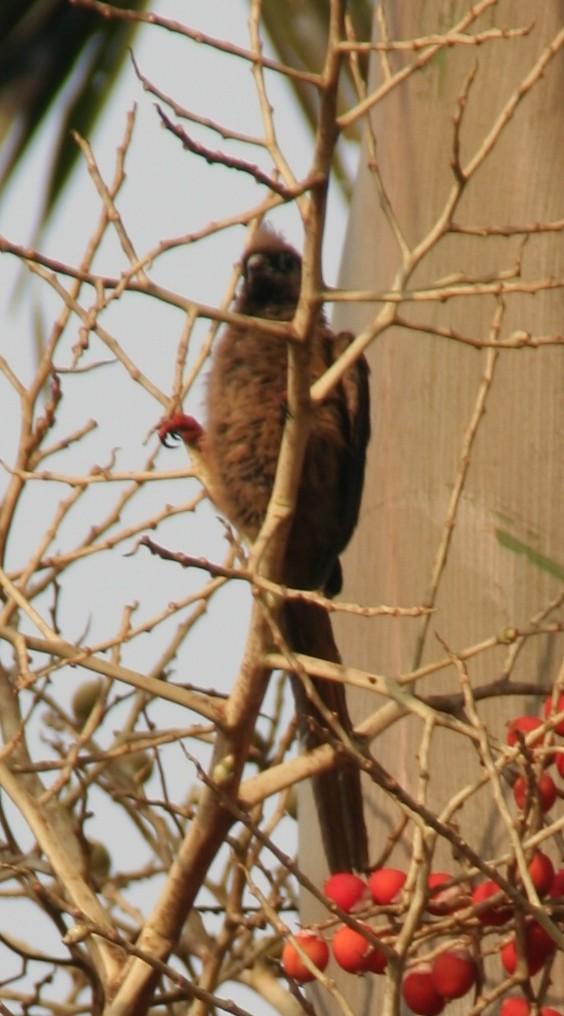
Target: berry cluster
{"type": "Point", "coordinates": [452, 966]}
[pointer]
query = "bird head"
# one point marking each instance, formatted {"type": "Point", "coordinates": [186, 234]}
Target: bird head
{"type": "Point", "coordinates": [272, 272]}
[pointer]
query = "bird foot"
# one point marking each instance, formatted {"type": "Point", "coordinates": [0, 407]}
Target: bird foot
{"type": "Point", "coordinates": [181, 427]}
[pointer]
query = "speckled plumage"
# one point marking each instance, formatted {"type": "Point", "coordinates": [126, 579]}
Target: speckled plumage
{"type": "Point", "coordinates": [246, 413]}
{"type": "Point", "coordinates": [245, 421]}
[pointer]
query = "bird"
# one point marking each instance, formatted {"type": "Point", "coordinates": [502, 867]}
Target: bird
{"type": "Point", "coordinates": [245, 418]}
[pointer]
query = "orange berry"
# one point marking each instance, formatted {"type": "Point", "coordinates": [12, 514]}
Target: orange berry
{"type": "Point", "coordinates": [314, 946]}
{"type": "Point", "coordinates": [385, 884]}
{"type": "Point", "coordinates": [345, 889]}
{"type": "Point", "coordinates": [353, 951]}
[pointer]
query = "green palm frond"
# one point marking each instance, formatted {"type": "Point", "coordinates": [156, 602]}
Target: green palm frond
{"type": "Point", "coordinates": [298, 32]}
{"type": "Point", "coordinates": [55, 56]}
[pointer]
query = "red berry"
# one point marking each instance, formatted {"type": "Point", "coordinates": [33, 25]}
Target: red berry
{"type": "Point", "coordinates": [549, 709]}
{"type": "Point", "coordinates": [376, 961]}
{"type": "Point", "coordinates": [541, 870]}
{"type": "Point", "coordinates": [560, 763]}
{"type": "Point", "coordinates": [314, 946]}
{"type": "Point", "coordinates": [345, 889]}
{"type": "Point", "coordinates": [520, 1007]}
{"type": "Point", "coordinates": [557, 886]}
{"type": "Point", "coordinates": [493, 916]}
{"type": "Point", "coordinates": [350, 949]}
{"type": "Point", "coordinates": [508, 955]}
{"type": "Point", "coordinates": [443, 901]}
{"type": "Point", "coordinates": [355, 953]}
{"type": "Point", "coordinates": [385, 884]}
{"type": "Point", "coordinates": [515, 1006]}
{"type": "Point", "coordinates": [523, 725]}
{"type": "Point", "coordinates": [420, 992]}
{"type": "Point", "coordinates": [454, 972]}
{"type": "Point", "coordinates": [538, 948]}
{"type": "Point", "coordinates": [545, 791]}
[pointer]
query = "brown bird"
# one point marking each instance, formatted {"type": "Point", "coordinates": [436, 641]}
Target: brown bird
{"type": "Point", "coordinates": [246, 411]}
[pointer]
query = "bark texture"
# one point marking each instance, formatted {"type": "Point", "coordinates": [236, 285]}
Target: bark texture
{"type": "Point", "coordinates": [506, 546]}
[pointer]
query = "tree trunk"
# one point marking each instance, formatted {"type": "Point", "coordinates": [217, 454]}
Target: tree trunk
{"type": "Point", "coordinates": [440, 405]}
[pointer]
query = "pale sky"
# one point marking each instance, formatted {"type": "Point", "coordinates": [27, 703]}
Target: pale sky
{"type": "Point", "coordinates": [168, 192]}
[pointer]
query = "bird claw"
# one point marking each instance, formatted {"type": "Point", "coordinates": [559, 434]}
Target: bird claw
{"type": "Point", "coordinates": [180, 427]}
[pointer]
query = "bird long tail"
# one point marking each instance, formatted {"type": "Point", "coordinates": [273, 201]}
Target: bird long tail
{"type": "Point", "coordinates": [337, 792]}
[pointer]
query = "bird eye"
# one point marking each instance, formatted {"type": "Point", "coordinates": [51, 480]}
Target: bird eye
{"type": "Point", "coordinates": [288, 261]}
{"type": "Point", "coordinates": [285, 261]}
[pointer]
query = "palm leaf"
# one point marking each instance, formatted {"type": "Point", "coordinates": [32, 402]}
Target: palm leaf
{"type": "Point", "coordinates": [54, 56]}
{"type": "Point", "coordinates": [298, 32]}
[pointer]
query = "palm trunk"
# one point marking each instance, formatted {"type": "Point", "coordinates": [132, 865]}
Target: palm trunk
{"type": "Point", "coordinates": [451, 420]}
